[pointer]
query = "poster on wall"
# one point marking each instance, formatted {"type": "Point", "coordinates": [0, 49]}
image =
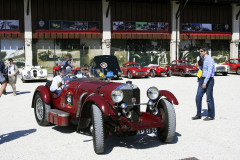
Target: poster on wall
{"type": "Point", "coordinates": [186, 27]}
{"type": "Point", "coordinates": [42, 25]}
{"type": "Point", "coordinates": [81, 25]}
{"type": "Point", "coordinates": [206, 27]}
{"type": "Point", "coordinates": [93, 25]}
{"type": "Point", "coordinates": [118, 25]}
{"type": "Point", "coordinates": [55, 25]}
{"type": "Point", "coordinates": [226, 28]}
{"type": "Point", "coordinates": [152, 26]}
{"type": "Point", "coordinates": [68, 25]}
{"type": "Point", "coordinates": [162, 26]}
{"type": "Point", "coordinates": [217, 27]}
{"type": "Point", "coordinates": [196, 27]}
{"type": "Point", "coordinates": [130, 25]}
{"type": "Point", "coordinates": [141, 26]}
{"type": "Point", "coordinates": [9, 24]}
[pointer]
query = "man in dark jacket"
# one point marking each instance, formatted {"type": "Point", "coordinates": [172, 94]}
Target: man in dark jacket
{"type": "Point", "coordinates": [3, 80]}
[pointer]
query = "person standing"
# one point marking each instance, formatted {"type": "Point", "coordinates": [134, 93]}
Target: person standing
{"type": "Point", "coordinates": [3, 83]}
{"type": "Point", "coordinates": [205, 85]}
{"type": "Point", "coordinates": [12, 71]}
{"type": "Point", "coordinates": [3, 72]}
{"type": "Point", "coordinates": [67, 63]}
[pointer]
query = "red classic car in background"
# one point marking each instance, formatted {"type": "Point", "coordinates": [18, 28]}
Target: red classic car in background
{"type": "Point", "coordinates": [182, 68]}
{"type": "Point", "coordinates": [156, 70]}
{"type": "Point", "coordinates": [107, 108]}
{"type": "Point", "coordinates": [133, 69]}
{"type": "Point", "coordinates": [234, 65]}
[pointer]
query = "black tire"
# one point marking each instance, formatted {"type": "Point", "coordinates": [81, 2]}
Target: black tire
{"type": "Point", "coordinates": [224, 73]}
{"type": "Point", "coordinates": [181, 73]}
{"type": "Point", "coordinates": [40, 110]}
{"type": "Point", "coordinates": [153, 74]}
{"type": "Point", "coordinates": [130, 75]}
{"type": "Point", "coordinates": [56, 73]}
{"type": "Point", "coordinates": [24, 81]}
{"type": "Point", "coordinates": [167, 112]}
{"type": "Point", "coordinates": [169, 73]}
{"type": "Point", "coordinates": [98, 130]}
{"type": "Point", "coordinates": [238, 71]}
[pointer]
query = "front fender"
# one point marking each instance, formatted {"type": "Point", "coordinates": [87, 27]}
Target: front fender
{"type": "Point", "coordinates": [169, 96]}
{"type": "Point", "coordinates": [101, 103]}
{"type": "Point", "coordinates": [45, 93]}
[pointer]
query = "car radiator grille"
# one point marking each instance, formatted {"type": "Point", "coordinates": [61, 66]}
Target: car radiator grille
{"type": "Point", "coordinates": [221, 68]}
{"type": "Point", "coordinates": [141, 72]}
{"type": "Point", "coordinates": [193, 71]}
{"type": "Point", "coordinates": [128, 94]}
{"type": "Point", "coordinates": [163, 72]}
{"type": "Point", "coordinates": [34, 73]}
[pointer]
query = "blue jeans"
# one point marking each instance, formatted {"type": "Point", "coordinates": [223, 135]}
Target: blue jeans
{"type": "Point", "coordinates": [210, 101]}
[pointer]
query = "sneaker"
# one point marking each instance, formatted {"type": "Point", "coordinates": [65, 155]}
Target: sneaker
{"type": "Point", "coordinates": [208, 119]}
{"type": "Point", "coordinates": [196, 117]}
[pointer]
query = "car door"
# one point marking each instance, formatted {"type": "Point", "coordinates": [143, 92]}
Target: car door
{"type": "Point", "coordinates": [174, 67]}
{"type": "Point", "coordinates": [123, 70]}
{"type": "Point", "coordinates": [232, 66]}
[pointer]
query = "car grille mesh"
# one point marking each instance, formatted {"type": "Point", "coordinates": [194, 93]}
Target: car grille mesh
{"type": "Point", "coordinates": [127, 98]}
{"type": "Point", "coordinates": [221, 68]}
{"type": "Point", "coordinates": [141, 72]}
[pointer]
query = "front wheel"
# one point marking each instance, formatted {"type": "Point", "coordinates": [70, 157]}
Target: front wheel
{"type": "Point", "coordinates": [129, 75]}
{"type": "Point", "coordinates": [169, 74]}
{"type": "Point", "coordinates": [153, 74]}
{"type": "Point", "coordinates": [167, 114]}
{"type": "Point", "coordinates": [40, 110]}
{"type": "Point", "coordinates": [98, 130]}
{"type": "Point", "coordinates": [238, 71]}
{"type": "Point", "coordinates": [181, 73]}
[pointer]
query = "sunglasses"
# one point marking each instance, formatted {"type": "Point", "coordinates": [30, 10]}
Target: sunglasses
{"type": "Point", "coordinates": [202, 51]}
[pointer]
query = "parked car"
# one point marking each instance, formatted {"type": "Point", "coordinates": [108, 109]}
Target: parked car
{"type": "Point", "coordinates": [156, 70]}
{"type": "Point", "coordinates": [220, 68]}
{"type": "Point", "coordinates": [234, 65]}
{"type": "Point", "coordinates": [30, 73]}
{"type": "Point", "coordinates": [133, 69]}
{"type": "Point", "coordinates": [182, 68]}
{"type": "Point", "coordinates": [108, 63]}
{"type": "Point", "coordinates": [107, 108]}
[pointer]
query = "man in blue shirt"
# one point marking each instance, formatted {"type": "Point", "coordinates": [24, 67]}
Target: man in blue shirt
{"type": "Point", "coordinates": [205, 85]}
{"type": "Point", "coordinates": [68, 63]}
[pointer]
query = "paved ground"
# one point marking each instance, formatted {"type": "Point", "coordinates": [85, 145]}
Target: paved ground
{"type": "Point", "coordinates": [22, 138]}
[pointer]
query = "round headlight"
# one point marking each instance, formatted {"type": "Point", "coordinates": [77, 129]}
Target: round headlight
{"type": "Point", "coordinates": [148, 71]}
{"type": "Point", "coordinates": [29, 73]}
{"type": "Point", "coordinates": [134, 71]}
{"type": "Point", "coordinates": [165, 68]}
{"type": "Point", "coordinates": [152, 93]}
{"type": "Point", "coordinates": [41, 72]}
{"type": "Point", "coordinates": [187, 69]}
{"type": "Point", "coordinates": [117, 96]}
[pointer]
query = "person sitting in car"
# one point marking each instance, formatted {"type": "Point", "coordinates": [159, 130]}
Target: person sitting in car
{"type": "Point", "coordinates": [85, 71]}
{"type": "Point", "coordinates": [57, 82]}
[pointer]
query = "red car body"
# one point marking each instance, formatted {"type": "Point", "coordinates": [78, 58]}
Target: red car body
{"type": "Point", "coordinates": [133, 69]}
{"type": "Point", "coordinates": [91, 103]}
{"type": "Point", "coordinates": [182, 68]}
{"type": "Point", "coordinates": [234, 65]}
{"type": "Point", "coordinates": [156, 70]}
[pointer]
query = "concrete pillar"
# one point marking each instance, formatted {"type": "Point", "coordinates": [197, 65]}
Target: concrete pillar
{"type": "Point", "coordinates": [175, 33]}
{"type": "Point", "coordinates": [106, 40]}
{"type": "Point", "coordinates": [28, 32]}
{"type": "Point", "coordinates": [235, 32]}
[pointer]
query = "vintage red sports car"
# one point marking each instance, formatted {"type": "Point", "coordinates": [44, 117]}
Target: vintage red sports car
{"type": "Point", "coordinates": [156, 70]}
{"type": "Point", "coordinates": [107, 108]}
{"type": "Point", "coordinates": [133, 69]}
{"type": "Point", "coordinates": [234, 65]}
{"type": "Point", "coordinates": [182, 68]}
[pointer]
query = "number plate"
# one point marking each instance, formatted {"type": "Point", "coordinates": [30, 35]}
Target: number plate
{"type": "Point", "coordinates": [146, 131]}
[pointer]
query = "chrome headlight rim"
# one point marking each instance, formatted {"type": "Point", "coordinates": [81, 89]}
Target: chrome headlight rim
{"type": "Point", "coordinates": [134, 71]}
{"type": "Point", "coordinates": [29, 73]}
{"type": "Point", "coordinates": [153, 93]}
{"type": "Point", "coordinates": [117, 96]}
{"type": "Point", "coordinates": [187, 69]}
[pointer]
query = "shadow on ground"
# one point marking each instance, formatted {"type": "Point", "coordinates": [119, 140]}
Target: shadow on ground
{"type": "Point", "coordinates": [15, 135]}
{"type": "Point", "coordinates": [18, 92]}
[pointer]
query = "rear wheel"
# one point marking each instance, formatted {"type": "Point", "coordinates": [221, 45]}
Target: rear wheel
{"type": "Point", "coordinates": [130, 75]}
{"type": "Point", "coordinates": [238, 71]}
{"type": "Point", "coordinates": [153, 74]}
{"type": "Point", "coordinates": [167, 113]}
{"type": "Point", "coordinates": [40, 110]}
{"type": "Point", "coordinates": [98, 130]}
